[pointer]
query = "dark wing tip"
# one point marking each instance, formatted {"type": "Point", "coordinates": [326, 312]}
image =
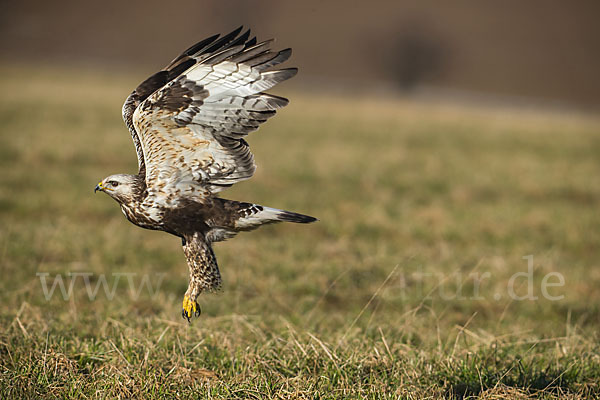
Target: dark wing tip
{"type": "Point", "coordinates": [199, 45]}
{"type": "Point", "coordinates": [237, 31]}
{"type": "Point", "coordinates": [227, 40]}
{"type": "Point", "coordinates": [289, 72]}
{"type": "Point", "coordinates": [250, 43]}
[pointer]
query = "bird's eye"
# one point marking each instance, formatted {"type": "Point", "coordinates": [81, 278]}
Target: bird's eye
{"type": "Point", "coordinates": [114, 183]}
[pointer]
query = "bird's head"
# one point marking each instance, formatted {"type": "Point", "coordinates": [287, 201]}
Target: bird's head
{"type": "Point", "coordinates": [121, 187]}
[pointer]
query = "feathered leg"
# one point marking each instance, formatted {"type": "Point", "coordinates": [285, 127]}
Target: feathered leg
{"type": "Point", "coordinates": [204, 272]}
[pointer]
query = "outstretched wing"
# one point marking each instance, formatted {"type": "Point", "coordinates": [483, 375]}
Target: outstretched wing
{"type": "Point", "coordinates": [191, 129]}
{"type": "Point", "coordinates": [181, 63]}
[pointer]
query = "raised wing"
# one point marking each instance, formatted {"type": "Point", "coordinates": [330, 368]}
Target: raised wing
{"type": "Point", "coordinates": [181, 63]}
{"type": "Point", "coordinates": [191, 130]}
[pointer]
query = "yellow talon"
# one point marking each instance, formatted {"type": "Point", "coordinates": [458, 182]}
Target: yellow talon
{"type": "Point", "coordinates": [190, 308]}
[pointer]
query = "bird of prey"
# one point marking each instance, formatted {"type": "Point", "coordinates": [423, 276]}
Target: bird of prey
{"type": "Point", "coordinates": [188, 123]}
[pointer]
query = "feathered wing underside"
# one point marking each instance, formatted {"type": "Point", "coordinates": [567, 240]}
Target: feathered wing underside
{"type": "Point", "coordinates": [191, 129]}
{"type": "Point", "coordinates": [202, 263]}
{"type": "Point", "coordinates": [175, 68]}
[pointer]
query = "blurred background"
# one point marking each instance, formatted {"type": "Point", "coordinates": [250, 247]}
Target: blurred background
{"type": "Point", "coordinates": [438, 143]}
{"type": "Point", "coordinates": [538, 50]}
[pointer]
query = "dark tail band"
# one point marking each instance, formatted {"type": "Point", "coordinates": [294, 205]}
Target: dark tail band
{"type": "Point", "coordinates": [289, 216]}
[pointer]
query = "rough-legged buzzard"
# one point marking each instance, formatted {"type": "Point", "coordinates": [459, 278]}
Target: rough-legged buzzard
{"type": "Point", "coordinates": [188, 123]}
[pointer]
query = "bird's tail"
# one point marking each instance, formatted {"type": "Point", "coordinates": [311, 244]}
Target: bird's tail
{"type": "Point", "coordinates": [247, 216]}
{"type": "Point", "coordinates": [238, 216]}
{"type": "Point", "coordinates": [287, 216]}
{"type": "Point", "coordinates": [251, 216]}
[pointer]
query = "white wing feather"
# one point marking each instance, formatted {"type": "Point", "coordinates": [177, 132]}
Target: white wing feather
{"type": "Point", "coordinates": [191, 129]}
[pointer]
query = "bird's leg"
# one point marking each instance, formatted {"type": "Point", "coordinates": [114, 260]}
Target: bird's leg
{"type": "Point", "coordinates": [190, 306]}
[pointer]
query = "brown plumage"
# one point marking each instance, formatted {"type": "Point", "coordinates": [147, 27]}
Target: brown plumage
{"type": "Point", "coordinates": [187, 122]}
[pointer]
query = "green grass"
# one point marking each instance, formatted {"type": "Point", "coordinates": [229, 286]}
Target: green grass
{"type": "Point", "coordinates": [376, 300]}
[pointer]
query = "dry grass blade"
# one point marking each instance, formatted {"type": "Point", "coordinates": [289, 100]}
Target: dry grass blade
{"type": "Point", "coordinates": [458, 193]}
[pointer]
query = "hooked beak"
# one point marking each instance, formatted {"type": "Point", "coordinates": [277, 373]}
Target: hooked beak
{"type": "Point", "coordinates": [99, 187]}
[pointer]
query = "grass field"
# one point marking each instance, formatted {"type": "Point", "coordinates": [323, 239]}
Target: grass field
{"type": "Point", "coordinates": [405, 288]}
